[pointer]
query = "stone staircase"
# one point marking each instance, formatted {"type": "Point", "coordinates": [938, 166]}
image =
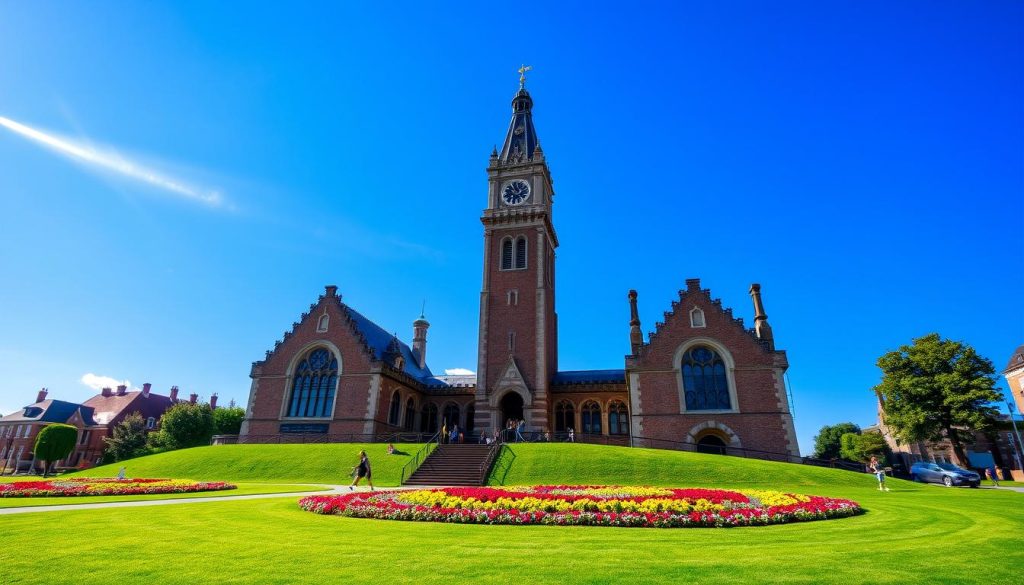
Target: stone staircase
{"type": "Point", "coordinates": [453, 465]}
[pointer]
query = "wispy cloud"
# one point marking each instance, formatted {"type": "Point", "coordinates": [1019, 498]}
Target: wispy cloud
{"type": "Point", "coordinates": [115, 163]}
{"type": "Point", "coordinates": [97, 382]}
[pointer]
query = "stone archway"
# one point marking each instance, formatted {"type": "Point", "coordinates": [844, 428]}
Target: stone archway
{"type": "Point", "coordinates": [715, 429]}
{"type": "Point", "coordinates": [711, 443]}
{"type": "Point", "coordinates": [511, 406]}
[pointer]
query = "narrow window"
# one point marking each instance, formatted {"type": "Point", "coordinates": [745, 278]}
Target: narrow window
{"type": "Point", "coordinates": [591, 418]}
{"type": "Point", "coordinates": [696, 318]}
{"type": "Point", "coordinates": [513, 297]}
{"type": "Point", "coordinates": [428, 419]}
{"type": "Point", "coordinates": [150, 423]}
{"type": "Point", "coordinates": [521, 252]}
{"type": "Point", "coordinates": [396, 405]}
{"type": "Point", "coordinates": [618, 419]}
{"type": "Point", "coordinates": [410, 415]}
{"type": "Point", "coordinates": [506, 254]}
{"type": "Point", "coordinates": [511, 340]}
{"type": "Point", "coordinates": [321, 325]}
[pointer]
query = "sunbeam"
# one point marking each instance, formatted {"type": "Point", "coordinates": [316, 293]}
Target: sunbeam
{"type": "Point", "coordinates": [112, 163]}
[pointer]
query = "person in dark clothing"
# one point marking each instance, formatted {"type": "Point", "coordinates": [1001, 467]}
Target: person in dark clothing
{"type": "Point", "coordinates": [362, 470]}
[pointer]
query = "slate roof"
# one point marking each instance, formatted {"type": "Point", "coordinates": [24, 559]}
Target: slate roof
{"type": "Point", "coordinates": [378, 339]}
{"type": "Point", "coordinates": [590, 377]}
{"type": "Point", "coordinates": [521, 140]}
{"type": "Point", "coordinates": [51, 411]}
{"type": "Point", "coordinates": [1016, 360]}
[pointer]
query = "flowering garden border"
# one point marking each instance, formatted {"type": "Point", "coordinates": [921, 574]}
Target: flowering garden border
{"type": "Point", "coordinates": [89, 486]}
{"type": "Point", "coordinates": [625, 506]}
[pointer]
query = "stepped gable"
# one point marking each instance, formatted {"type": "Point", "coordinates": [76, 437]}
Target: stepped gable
{"type": "Point", "coordinates": [719, 323]}
{"type": "Point", "coordinates": [377, 344]}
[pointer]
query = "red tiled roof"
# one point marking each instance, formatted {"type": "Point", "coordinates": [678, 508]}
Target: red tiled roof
{"type": "Point", "coordinates": [107, 408]}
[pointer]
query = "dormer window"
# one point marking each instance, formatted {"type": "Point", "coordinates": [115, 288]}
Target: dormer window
{"type": "Point", "coordinates": [697, 318]}
{"type": "Point", "coordinates": [321, 324]}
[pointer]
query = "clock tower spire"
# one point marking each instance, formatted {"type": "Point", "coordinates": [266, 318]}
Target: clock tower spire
{"type": "Point", "coordinates": [518, 343]}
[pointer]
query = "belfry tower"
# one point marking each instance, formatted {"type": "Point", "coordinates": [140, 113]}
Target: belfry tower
{"type": "Point", "coordinates": [518, 351]}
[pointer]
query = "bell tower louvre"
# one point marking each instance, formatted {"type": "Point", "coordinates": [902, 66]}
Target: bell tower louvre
{"type": "Point", "coordinates": [518, 343]}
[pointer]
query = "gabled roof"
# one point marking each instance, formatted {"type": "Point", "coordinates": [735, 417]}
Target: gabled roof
{"type": "Point", "coordinates": [590, 377]}
{"type": "Point", "coordinates": [378, 340]}
{"type": "Point", "coordinates": [107, 408]}
{"type": "Point", "coordinates": [1016, 360]}
{"type": "Point", "coordinates": [51, 411]}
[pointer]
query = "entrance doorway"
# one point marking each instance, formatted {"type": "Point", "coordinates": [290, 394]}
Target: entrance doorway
{"type": "Point", "coordinates": [711, 444]}
{"type": "Point", "coordinates": [511, 408]}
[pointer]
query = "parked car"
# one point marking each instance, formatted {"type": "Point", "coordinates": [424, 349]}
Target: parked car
{"type": "Point", "coordinates": [944, 473]}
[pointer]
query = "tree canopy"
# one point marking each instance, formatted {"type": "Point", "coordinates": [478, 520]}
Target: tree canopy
{"type": "Point", "coordinates": [861, 447]}
{"type": "Point", "coordinates": [184, 425]}
{"type": "Point", "coordinates": [54, 443]}
{"type": "Point", "coordinates": [128, 439]}
{"type": "Point", "coordinates": [228, 420]}
{"type": "Point", "coordinates": [827, 442]}
{"type": "Point", "coordinates": [936, 389]}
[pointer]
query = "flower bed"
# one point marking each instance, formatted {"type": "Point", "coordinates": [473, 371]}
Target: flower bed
{"type": "Point", "coordinates": [87, 486]}
{"type": "Point", "coordinates": [586, 505]}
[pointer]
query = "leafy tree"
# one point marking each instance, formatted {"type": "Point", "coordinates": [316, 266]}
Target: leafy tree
{"type": "Point", "coordinates": [54, 443]}
{"type": "Point", "coordinates": [861, 447]}
{"type": "Point", "coordinates": [936, 388]}
{"type": "Point", "coordinates": [826, 444]}
{"type": "Point", "coordinates": [128, 439]}
{"type": "Point", "coordinates": [184, 425]}
{"type": "Point", "coordinates": [228, 420]}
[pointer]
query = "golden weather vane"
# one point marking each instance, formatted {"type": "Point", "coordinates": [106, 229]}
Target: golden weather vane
{"type": "Point", "coordinates": [522, 75]}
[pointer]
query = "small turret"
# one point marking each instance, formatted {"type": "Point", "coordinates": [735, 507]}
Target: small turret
{"type": "Point", "coordinates": [636, 336]}
{"type": "Point", "coordinates": [419, 339]}
{"type": "Point", "coordinates": [761, 326]}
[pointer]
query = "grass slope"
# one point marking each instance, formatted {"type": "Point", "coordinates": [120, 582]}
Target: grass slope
{"type": "Point", "coordinates": [525, 464]}
{"type": "Point", "coordinates": [913, 534]}
{"type": "Point", "coordinates": [329, 463]}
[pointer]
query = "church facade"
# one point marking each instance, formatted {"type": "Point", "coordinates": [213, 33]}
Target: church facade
{"type": "Point", "coordinates": [701, 377]}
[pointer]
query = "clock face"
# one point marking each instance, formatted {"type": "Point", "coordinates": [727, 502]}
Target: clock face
{"type": "Point", "coordinates": [515, 192]}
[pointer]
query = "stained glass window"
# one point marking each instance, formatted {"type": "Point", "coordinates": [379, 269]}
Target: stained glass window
{"type": "Point", "coordinates": [591, 418]}
{"type": "Point", "coordinates": [704, 380]}
{"type": "Point", "coordinates": [314, 385]}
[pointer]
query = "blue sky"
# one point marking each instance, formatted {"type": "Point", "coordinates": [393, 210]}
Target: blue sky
{"type": "Point", "coordinates": [861, 160]}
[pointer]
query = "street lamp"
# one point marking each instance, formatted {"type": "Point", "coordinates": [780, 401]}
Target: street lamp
{"type": "Point", "coordinates": [1019, 446]}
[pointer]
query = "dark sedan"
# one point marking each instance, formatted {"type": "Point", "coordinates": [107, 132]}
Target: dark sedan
{"type": "Point", "coordinates": [944, 473]}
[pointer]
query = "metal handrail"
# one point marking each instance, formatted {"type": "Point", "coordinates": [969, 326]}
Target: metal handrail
{"type": "Point", "coordinates": [492, 453]}
{"type": "Point", "coordinates": [423, 452]}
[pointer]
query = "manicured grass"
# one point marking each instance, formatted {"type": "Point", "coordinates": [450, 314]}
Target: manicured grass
{"type": "Point", "coordinates": [330, 463]}
{"type": "Point", "coordinates": [243, 489]}
{"type": "Point", "coordinates": [912, 534]}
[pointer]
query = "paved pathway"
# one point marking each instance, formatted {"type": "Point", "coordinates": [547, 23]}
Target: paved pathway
{"type": "Point", "coordinates": [335, 489]}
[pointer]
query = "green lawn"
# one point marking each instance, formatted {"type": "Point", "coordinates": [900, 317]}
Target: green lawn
{"type": "Point", "coordinates": [243, 489]}
{"type": "Point", "coordinates": [272, 463]}
{"type": "Point", "coordinates": [913, 534]}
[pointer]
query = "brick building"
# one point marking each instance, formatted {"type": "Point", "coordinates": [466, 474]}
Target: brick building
{"type": "Point", "coordinates": [702, 377]}
{"type": "Point", "coordinates": [95, 419]}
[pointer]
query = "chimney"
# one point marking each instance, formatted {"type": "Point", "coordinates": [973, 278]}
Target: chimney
{"type": "Point", "coordinates": [145, 389]}
{"type": "Point", "coordinates": [107, 392]}
{"type": "Point", "coordinates": [42, 395]}
{"type": "Point", "coordinates": [331, 290]}
{"type": "Point", "coordinates": [193, 397]}
{"type": "Point", "coordinates": [692, 284]}
{"type": "Point", "coordinates": [121, 390]}
{"type": "Point", "coordinates": [761, 326]}
{"type": "Point", "coordinates": [174, 393]}
{"type": "Point", "coordinates": [419, 339]}
{"type": "Point", "coordinates": [213, 402]}
{"type": "Point", "coordinates": [636, 336]}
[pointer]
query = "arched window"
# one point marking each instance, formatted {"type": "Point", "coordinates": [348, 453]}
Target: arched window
{"type": "Point", "coordinates": [410, 415]}
{"type": "Point", "coordinates": [565, 416]}
{"type": "Point", "coordinates": [323, 322]}
{"type": "Point", "coordinates": [316, 380]}
{"type": "Point", "coordinates": [591, 418]}
{"type": "Point", "coordinates": [428, 419]}
{"type": "Point", "coordinates": [521, 252]}
{"type": "Point", "coordinates": [704, 380]}
{"type": "Point", "coordinates": [618, 418]}
{"type": "Point", "coordinates": [396, 406]}
{"type": "Point", "coordinates": [506, 254]}
{"type": "Point", "coordinates": [451, 415]}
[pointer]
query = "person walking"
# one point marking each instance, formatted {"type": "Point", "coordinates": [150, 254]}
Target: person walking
{"type": "Point", "coordinates": [572, 436]}
{"type": "Point", "coordinates": [362, 470]}
{"type": "Point", "coordinates": [519, 431]}
{"type": "Point", "coordinates": [992, 476]}
{"type": "Point", "coordinates": [879, 472]}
